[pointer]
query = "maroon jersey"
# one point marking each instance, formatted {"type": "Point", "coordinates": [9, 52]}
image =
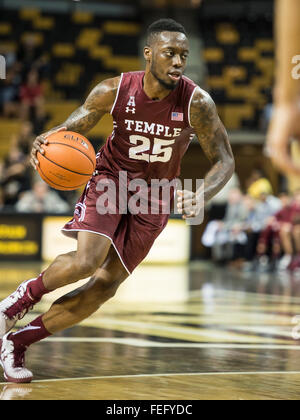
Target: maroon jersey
{"type": "Point", "coordinates": [289, 214]}
{"type": "Point", "coordinates": [149, 137]}
{"type": "Point", "coordinates": [148, 142]}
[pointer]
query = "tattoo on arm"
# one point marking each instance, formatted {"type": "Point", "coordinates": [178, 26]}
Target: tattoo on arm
{"type": "Point", "coordinates": [98, 103]}
{"type": "Point", "coordinates": [82, 120]}
{"type": "Point", "coordinates": [214, 142]}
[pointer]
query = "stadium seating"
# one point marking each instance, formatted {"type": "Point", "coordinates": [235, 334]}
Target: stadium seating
{"type": "Point", "coordinates": [240, 60]}
{"type": "Point", "coordinates": [90, 51]}
{"type": "Point", "coordinates": [239, 56]}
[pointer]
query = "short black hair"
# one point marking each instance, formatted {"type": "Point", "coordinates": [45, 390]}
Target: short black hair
{"type": "Point", "coordinates": [163, 25]}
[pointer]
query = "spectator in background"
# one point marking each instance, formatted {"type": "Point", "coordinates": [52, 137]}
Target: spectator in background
{"type": "Point", "coordinates": [267, 112]}
{"type": "Point", "coordinates": [24, 139]}
{"type": "Point", "coordinates": [32, 98]}
{"type": "Point", "coordinates": [266, 207]}
{"type": "Point", "coordinates": [290, 236]}
{"type": "Point", "coordinates": [235, 238]}
{"type": "Point", "coordinates": [269, 247]}
{"type": "Point", "coordinates": [29, 54]}
{"type": "Point", "coordinates": [218, 204]}
{"type": "Point", "coordinates": [8, 51]}
{"type": "Point", "coordinates": [9, 93]}
{"type": "Point", "coordinates": [222, 235]}
{"type": "Point", "coordinates": [258, 184]}
{"type": "Point", "coordinates": [15, 176]}
{"type": "Point", "coordinates": [41, 200]}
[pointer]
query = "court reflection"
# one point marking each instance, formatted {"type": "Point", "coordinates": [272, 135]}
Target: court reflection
{"type": "Point", "coordinates": [151, 283]}
{"type": "Point", "coordinates": [167, 325]}
{"type": "Point", "coordinates": [15, 392]}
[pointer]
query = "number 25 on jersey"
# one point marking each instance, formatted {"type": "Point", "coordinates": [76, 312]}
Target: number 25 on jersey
{"type": "Point", "coordinates": [161, 152]}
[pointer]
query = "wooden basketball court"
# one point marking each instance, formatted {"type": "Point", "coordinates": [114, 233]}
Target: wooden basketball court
{"type": "Point", "coordinates": [229, 336]}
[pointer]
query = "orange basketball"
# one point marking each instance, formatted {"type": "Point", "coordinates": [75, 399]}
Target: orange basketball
{"type": "Point", "coordinates": [69, 161]}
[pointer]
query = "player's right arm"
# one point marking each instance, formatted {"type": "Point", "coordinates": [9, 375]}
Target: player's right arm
{"type": "Point", "coordinates": [287, 17]}
{"type": "Point", "coordinates": [286, 116]}
{"type": "Point", "coordinates": [99, 102]}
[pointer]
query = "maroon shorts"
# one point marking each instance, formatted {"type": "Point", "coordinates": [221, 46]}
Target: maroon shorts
{"type": "Point", "coordinates": [132, 235]}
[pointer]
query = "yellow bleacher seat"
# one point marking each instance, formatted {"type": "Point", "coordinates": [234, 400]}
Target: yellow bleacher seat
{"type": "Point", "coordinates": [265, 44]}
{"type": "Point", "coordinates": [248, 54]}
{"type": "Point", "coordinates": [266, 65]}
{"type": "Point", "coordinates": [9, 46]}
{"type": "Point", "coordinates": [52, 94]}
{"type": "Point", "coordinates": [63, 50]}
{"type": "Point", "coordinates": [227, 34]}
{"type": "Point", "coordinates": [104, 128]}
{"type": "Point", "coordinates": [60, 111]}
{"type": "Point", "coordinates": [69, 74]}
{"type": "Point", "coordinates": [246, 92]}
{"type": "Point", "coordinates": [123, 63]}
{"type": "Point", "coordinates": [89, 37]}
{"type": "Point", "coordinates": [37, 36]}
{"type": "Point", "coordinates": [234, 73]}
{"type": "Point", "coordinates": [121, 28]}
{"type": "Point", "coordinates": [259, 82]}
{"type": "Point", "coordinates": [234, 114]}
{"type": "Point", "coordinates": [100, 52]}
{"type": "Point", "coordinates": [8, 128]}
{"type": "Point", "coordinates": [27, 14]}
{"type": "Point", "coordinates": [246, 80]}
{"type": "Point", "coordinates": [214, 54]}
{"type": "Point", "coordinates": [216, 82]}
{"type": "Point", "coordinates": [82, 18]}
{"type": "Point", "coordinates": [98, 78]}
{"type": "Point", "coordinates": [5, 28]}
{"type": "Point", "coordinates": [43, 23]}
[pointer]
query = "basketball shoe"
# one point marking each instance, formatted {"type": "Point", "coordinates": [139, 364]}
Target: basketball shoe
{"type": "Point", "coordinates": [12, 359]}
{"type": "Point", "coordinates": [15, 307]}
{"type": "Point", "coordinates": [295, 264]}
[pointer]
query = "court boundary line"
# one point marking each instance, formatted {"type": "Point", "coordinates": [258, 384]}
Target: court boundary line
{"type": "Point", "coordinates": [147, 343]}
{"type": "Point", "coordinates": [153, 375]}
{"type": "Point", "coordinates": [271, 298]}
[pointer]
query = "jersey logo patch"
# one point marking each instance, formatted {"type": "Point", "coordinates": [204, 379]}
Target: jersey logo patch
{"type": "Point", "coordinates": [177, 116]}
{"type": "Point", "coordinates": [131, 105]}
{"type": "Point", "coordinates": [132, 110]}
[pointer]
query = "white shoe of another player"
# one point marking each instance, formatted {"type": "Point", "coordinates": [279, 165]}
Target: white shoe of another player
{"type": "Point", "coordinates": [13, 362]}
{"type": "Point", "coordinates": [15, 307]}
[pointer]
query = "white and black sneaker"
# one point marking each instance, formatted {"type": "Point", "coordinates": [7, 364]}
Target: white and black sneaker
{"type": "Point", "coordinates": [15, 307]}
{"type": "Point", "coordinates": [12, 360]}
{"type": "Point", "coordinates": [284, 263]}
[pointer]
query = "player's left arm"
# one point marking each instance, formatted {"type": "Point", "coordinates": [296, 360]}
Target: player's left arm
{"type": "Point", "coordinates": [214, 141]}
{"type": "Point", "coordinates": [98, 103]}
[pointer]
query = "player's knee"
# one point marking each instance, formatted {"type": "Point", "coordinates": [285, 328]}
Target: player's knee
{"type": "Point", "coordinates": [296, 230]}
{"type": "Point", "coordinates": [107, 288]}
{"type": "Point", "coordinates": [86, 266]}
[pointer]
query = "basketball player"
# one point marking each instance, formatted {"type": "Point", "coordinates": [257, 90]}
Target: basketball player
{"type": "Point", "coordinates": [158, 109]}
{"type": "Point", "coordinates": [285, 122]}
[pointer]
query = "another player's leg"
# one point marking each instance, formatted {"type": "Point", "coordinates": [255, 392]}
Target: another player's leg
{"type": "Point", "coordinates": [91, 252]}
{"type": "Point", "coordinates": [287, 245]}
{"type": "Point", "coordinates": [295, 266]}
{"type": "Point", "coordinates": [67, 311]}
